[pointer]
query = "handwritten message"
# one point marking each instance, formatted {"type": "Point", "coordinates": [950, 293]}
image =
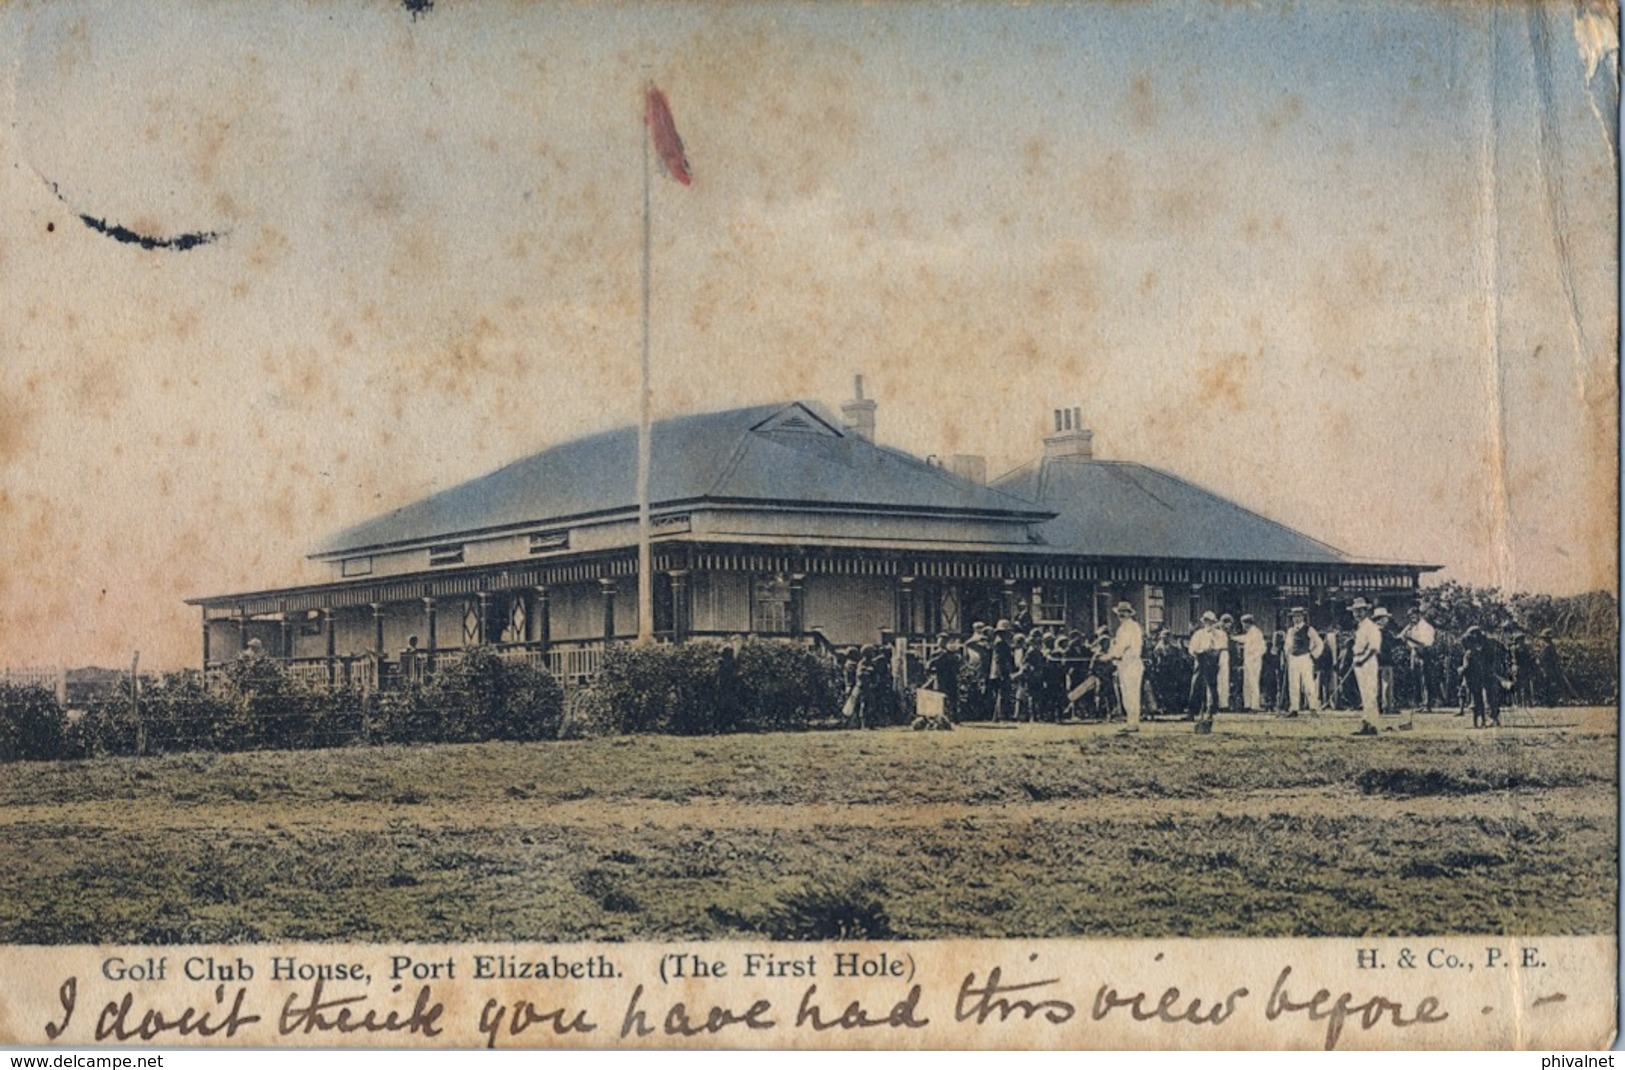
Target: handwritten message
{"type": "Point", "coordinates": [993, 994]}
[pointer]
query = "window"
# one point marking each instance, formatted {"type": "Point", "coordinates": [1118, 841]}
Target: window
{"type": "Point", "coordinates": [1153, 607]}
{"type": "Point", "coordinates": [446, 555]}
{"type": "Point", "coordinates": [770, 605]}
{"type": "Point", "coordinates": [514, 631]}
{"type": "Point", "coordinates": [1049, 604]}
{"type": "Point", "coordinates": [356, 566]}
{"type": "Point", "coordinates": [949, 617]}
{"type": "Point", "coordinates": [547, 541]}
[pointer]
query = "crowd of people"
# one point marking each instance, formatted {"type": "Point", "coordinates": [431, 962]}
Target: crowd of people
{"type": "Point", "coordinates": [1371, 661]}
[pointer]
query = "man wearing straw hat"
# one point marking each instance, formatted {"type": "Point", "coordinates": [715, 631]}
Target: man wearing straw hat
{"type": "Point", "coordinates": [1387, 693]}
{"type": "Point", "coordinates": [1303, 646]}
{"type": "Point", "coordinates": [1253, 646]}
{"type": "Point", "coordinates": [1204, 648]}
{"type": "Point", "coordinates": [1367, 642]}
{"type": "Point", "coordinates": [1125, 652]}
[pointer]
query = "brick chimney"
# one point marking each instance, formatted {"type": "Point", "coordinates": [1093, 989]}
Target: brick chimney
{"type": "Point", "coordinates": [859, 413]}
{"type": "Point", "coordinates": [1071, 440]}
{"type": "Point", "coordinates": [971, 466]}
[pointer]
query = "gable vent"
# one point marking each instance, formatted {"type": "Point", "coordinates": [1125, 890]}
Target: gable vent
{"type": "Point", "coordinates": [795, 418]}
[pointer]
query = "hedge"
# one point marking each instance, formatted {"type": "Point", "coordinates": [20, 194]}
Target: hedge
{"type": "Point", "coordinates": [479, 696]}
{"type": "Point", "coordinates": [701, 688]}
{"type": "Point", "coordinates": [693, 689]}
{"type": "Point", "coordinates": [255, 704]}
{"type": "Point", "coordinates": [32, 726]}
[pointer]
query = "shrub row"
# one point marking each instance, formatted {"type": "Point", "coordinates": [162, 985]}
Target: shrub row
{"type": "Point", "coordinates": [255, 704]}
{"type": "Point", "coordinates": [694, 689]}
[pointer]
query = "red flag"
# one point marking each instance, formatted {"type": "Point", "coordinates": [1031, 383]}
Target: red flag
{"type": "Point", "coordinates": [663, 132]}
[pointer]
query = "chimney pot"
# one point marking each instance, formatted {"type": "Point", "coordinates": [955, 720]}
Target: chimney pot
{"type": "Point", "coordinates": [1071, 441]}
{"type": "Point", "coordinates": [859, 414]}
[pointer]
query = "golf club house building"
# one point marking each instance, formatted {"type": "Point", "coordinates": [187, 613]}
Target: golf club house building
{"type": "Point", "coordinates": [780, 520]}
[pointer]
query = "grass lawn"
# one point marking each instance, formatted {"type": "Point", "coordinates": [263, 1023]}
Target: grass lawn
{"type": "Point", "coordinates": [1267, 827]}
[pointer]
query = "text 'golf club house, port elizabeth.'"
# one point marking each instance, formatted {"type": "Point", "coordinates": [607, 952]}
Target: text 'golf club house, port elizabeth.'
{"type": "Point", "coordinates": [781, 520]}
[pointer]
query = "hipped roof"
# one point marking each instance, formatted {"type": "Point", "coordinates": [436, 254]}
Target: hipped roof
{"type": "Point", "coordinates": [1119, 509]}
{"type": "Point", "coordinates": [794, 454]}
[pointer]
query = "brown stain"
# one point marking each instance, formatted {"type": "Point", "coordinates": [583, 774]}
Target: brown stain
{"type": "Point", "coordinates": [1286, 112]}
{"type": "Point", "coordinates": [77, 50]}
{"type": "Point", "coordinates": [1225, 382]}
{"type": "Point", "coordinates": [1369, 276]}
{"type": "Point", "coordinates": [17, 422]}
{"type": "Point", "coordinates": [1035, 157]}
{"type": "Point", "coordinates": [1184, 207]}
{"type": "Point", "coordinates": [382, 196]}
{"type": "Point", "coordinates": [183, 323]}
{"type": "Point", "coordinates": [1109, 189]}
{"type": "Point", "coordinates": [764, 78]}
{"type": "Point", "coordinates": [149, 225]}
{"type": "Point", "coordinates": [1144, 111]}
{"type": "Point", "coordinates": [269, 248]}
{"type": "Point", "coordinates": [298, 377]}
{"type": "Point", "coordinates": [226, 207]}
{"type": "Point", "coordinates": [208, 139]}
{"type": "Point", "coordinates": [282, 512]}
{"type": "Point", "coordinates": [98, 389]}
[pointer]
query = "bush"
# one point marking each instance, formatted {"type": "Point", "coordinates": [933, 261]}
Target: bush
{"type": "Point", "coordinates": [588, 716]}
{"type": "Point", "coordinates": [827, 910]}
{"type": "Point", "coordinates": [32, 724]}
{"type": "Point", "coordinates": [703, 688]}
{"type": "Point", "coordinates": [401, 716]}
{"type": "Point", "coordinates": [181, 713]}
{"type": "Point", "coordinates": [481, 696]}
{"type": "Point", "coordinates": [783, 686]}
{"type": "Point", "coordinates": [1591, 667]}
{"type": "Point", "coordinates": [272, 708]}
{"type": "Point", "coordinates": [103, 728]}
{"type": "Point", "coordinates": [661, 688]}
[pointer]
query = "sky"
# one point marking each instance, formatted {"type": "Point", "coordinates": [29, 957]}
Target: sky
{"type": "Point", "coordinates": [1352, 265]}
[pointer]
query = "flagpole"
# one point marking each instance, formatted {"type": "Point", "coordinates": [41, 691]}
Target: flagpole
{"type": "Point", "coordinates": [646, 592]}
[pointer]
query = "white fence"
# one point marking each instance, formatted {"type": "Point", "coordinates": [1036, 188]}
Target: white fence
{"type": "Point", "coordinates": [53, 680]}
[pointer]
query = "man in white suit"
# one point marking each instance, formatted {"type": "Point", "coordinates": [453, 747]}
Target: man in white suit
{"type": "Point", "coordinates": [1367, 672]}
{"type": "Point", "coordinates": [1125, 653]}
{"type": "Point", "coordinates": [1253, 646]}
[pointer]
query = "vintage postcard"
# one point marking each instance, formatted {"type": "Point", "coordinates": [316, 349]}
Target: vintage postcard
{"type": "Point", "coordinates": [809, 525]}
